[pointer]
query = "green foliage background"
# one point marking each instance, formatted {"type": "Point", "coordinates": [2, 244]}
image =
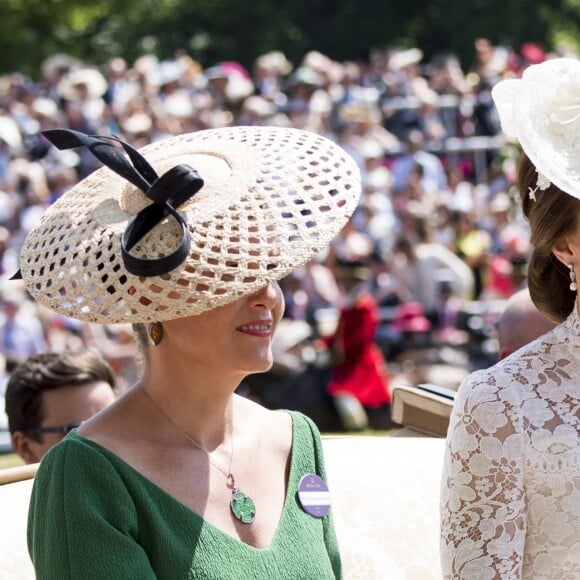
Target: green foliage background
{"type": "Point", "coordinates": [213, 30]}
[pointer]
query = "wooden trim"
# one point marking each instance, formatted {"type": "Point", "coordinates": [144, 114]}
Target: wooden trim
{"type": "Point", "coordinates": [20, 473]}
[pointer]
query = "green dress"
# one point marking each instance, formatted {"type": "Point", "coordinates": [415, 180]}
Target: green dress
{"type": "Point", "coordinates": [93, 516]}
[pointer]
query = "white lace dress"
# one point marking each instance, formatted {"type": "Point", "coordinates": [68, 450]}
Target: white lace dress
{"type": "Point", "coordinates": [510, 493]}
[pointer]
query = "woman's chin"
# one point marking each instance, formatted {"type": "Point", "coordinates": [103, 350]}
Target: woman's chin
{"type": "Point", "coordinates": [260, 367]}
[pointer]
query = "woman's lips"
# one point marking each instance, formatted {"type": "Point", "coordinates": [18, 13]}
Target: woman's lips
{"type": "Point", "coordinates": [261, 328]}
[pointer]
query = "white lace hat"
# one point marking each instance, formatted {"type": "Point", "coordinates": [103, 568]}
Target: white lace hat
{"type": "Point", "coordinates": [234, 208]}
{"type": "Point", "coordinates": [542, 111]}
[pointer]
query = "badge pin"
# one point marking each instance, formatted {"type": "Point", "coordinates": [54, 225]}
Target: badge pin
{"type": "Point", "coordinates": [314, 495]}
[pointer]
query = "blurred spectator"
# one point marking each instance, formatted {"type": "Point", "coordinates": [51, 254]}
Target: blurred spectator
{"type": "Point", "coordinates": [361, 121]}
{"type": "Point", "coordinates": [472, 244]}
{"type": "Point", "coordinates": [270, 70]}
{"type": "Point", "coordinates": [490, 60]}
{"type": "Point", "coordinates": [21, 333]}
{"type": "Point", "coordinates": [411, 323]}
{"type": "Point", "coordinates": [358, 367]}
{"type": "Point", "coordinates": [459, 193]}
{"type": "Point", "coordinates": [431, 172]}
{"type": "Point", "coordinates": [446, 77]}
{"type": "Point", "coordinates": [419, 266]}
{"type": "Point", "coordinates": [115, 343]}
{"type": "Point", "coordinates": [519, 323]}
{"type": "Point", "coordinates": [407, 120]}
{"type": "Point", "coordinates": [448, 308]}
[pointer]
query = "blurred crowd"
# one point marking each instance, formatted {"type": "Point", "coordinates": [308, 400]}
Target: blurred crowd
{"type": "Point", "coordinates": [438, 226]}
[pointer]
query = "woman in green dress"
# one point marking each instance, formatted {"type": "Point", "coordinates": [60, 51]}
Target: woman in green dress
{"type": "Point", "coordinates": [186, 239]}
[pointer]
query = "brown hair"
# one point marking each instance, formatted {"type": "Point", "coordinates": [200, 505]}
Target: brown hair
{"type": "Point", "coordinates": [142, 342]}
{"type": "Point", "coordinates": [140, 336]}
{"type": "Point", "coordinates": [554, 214]}
{"type": "Point", "coordinates": [44, 372]}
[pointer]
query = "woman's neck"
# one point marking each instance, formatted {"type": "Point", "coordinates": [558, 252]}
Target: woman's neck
{"type": "Point", "coordinates": [199, 404]}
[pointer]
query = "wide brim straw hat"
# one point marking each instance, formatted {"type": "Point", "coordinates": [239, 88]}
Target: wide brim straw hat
{"type": "Point", "coordinates": [542, 111]}
{"type": "Point", "coordinates": [272, 198]}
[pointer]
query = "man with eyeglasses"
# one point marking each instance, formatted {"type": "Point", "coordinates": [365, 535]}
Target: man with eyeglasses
{"type": "Point", "coordinates": [51, 393]}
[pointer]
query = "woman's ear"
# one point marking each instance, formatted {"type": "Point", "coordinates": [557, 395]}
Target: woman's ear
{"type": "Point", "coordinates": [566, 251]}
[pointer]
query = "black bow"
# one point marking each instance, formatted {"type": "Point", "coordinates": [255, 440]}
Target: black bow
{"type": "Point", "coordinates": [167, 192]}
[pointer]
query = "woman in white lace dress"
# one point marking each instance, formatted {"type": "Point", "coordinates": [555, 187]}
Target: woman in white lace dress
{"type": "Point", "coordinates": [511, 483]}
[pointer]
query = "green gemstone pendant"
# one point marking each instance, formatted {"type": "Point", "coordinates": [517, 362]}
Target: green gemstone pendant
{"type": "Point", "coordinates": [242, 506]}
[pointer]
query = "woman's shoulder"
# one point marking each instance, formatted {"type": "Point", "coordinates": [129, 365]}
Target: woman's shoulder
{"type": "Point", "coordinates": [72, 448]}
{"type": "Point", "coordinates": [514, 379]}
{"type": "Point", "coordinates": [70, 464]}
{"type": "Point", "coordinates": [283, 426]}
{"type": "Point", "coordinates": [258, 420]}
{"type": "Point", "coordinates": [493, 382]}
{"type": "Point", "coordinates": [264, 417]}
{"type": "Point", "coordinates": [521, 365]}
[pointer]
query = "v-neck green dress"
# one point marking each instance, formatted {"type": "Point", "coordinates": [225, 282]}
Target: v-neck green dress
{"type": "Point", "coordinates": [93, 516]}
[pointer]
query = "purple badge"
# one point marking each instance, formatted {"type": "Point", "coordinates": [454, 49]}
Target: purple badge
{"type": "Point", "coordinates": [314, 495]}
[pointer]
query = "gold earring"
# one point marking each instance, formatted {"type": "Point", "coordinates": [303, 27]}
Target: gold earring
{"type": "Point", "coordinates": [155, 332]}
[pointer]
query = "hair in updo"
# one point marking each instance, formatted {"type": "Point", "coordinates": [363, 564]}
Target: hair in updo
{"type": "Point", "coordinates": [141, 341]}
{"type": "Point", "coordinates": [554, 214]}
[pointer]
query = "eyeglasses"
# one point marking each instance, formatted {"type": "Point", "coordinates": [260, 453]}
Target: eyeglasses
{"type": "Point", "coordinates": [64, 429]}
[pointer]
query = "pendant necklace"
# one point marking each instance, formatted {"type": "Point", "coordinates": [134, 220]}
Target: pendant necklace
{"type": "Point", "coordinates": [241, 505]}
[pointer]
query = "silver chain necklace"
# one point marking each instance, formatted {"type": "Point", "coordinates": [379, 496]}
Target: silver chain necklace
{"type": "Point", "coordinates": [241, 504]}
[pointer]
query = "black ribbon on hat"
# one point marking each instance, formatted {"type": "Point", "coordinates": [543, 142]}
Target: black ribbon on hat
{"type": "Point", "coordinates": [167, 193]}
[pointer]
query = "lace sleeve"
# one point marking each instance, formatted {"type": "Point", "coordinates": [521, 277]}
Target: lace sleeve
{"type": "Point", "coordinates": [483, 518]}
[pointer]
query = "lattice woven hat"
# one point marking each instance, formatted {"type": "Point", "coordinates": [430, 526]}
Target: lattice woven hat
{"type": "Point", "coordinates": [542, 111]}
{"type": "Point", "coordinates": [270, 200]}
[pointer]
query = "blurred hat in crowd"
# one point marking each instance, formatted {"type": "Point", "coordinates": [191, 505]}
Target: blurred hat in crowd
{"type": "Point", "coordinates": [356, 246]}
{"type": "Point", "coordinates": [10, 132]}
{"type": "Point", "coordinates": [137, 123]}
{"type": "Point", "coordinates": [379, 179]}
{"type": "Point", "coordinates": [409, 317]}
{"type": "Point", "coordinates": [167, 72]}
{"type": "Point", "coordinates": [268, 201]}
{"type": "Point", "coordinates": [305, 76]}
{"type": "Point", "coordinates": [358, 113]}
{"type": "Point", "coordinates": [258, 107]}
{"type": "Point", "coordinates": [192, 70]}
{"type": "Point", "coordinates": [500, 203]}
{"type": "Point", "coordinates": [146, 66]}
{"type": "Point", "coordinates": [540, 110]}
{"type": "Point", "coordinates": [371, 149]}
{"type": "Point", "coordinates": [239, 84]}
{"type": "Point", "coordinates": [401, 59]}
{"type": "Point", "coordinates": [90, 78]}
{"type": "Point", "coordinates": [275, 61]}
{"type": "Point", "coordinates": [316, 61]}
{"type": "Point", "coordinates": [179, 104]}
{"type": "Point", "coordinates": [216, 72]}
{"type": "Point", "coordinates": [324, 66]}
{"type": "Point", "coordinates": [12, 292]}
{"type": "Point", "coordinates": [54, 66]}
{"type": "Point", "coordinates": [533, 52]}
{"type": "Point", "coordinates": [45, 107]}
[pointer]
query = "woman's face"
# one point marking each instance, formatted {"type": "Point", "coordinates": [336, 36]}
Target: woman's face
{"type": "Point", "coordinates": [236, 337]}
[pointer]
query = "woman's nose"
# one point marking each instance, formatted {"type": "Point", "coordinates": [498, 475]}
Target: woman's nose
{"type": "Point", "coordinates": [268, 296]}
